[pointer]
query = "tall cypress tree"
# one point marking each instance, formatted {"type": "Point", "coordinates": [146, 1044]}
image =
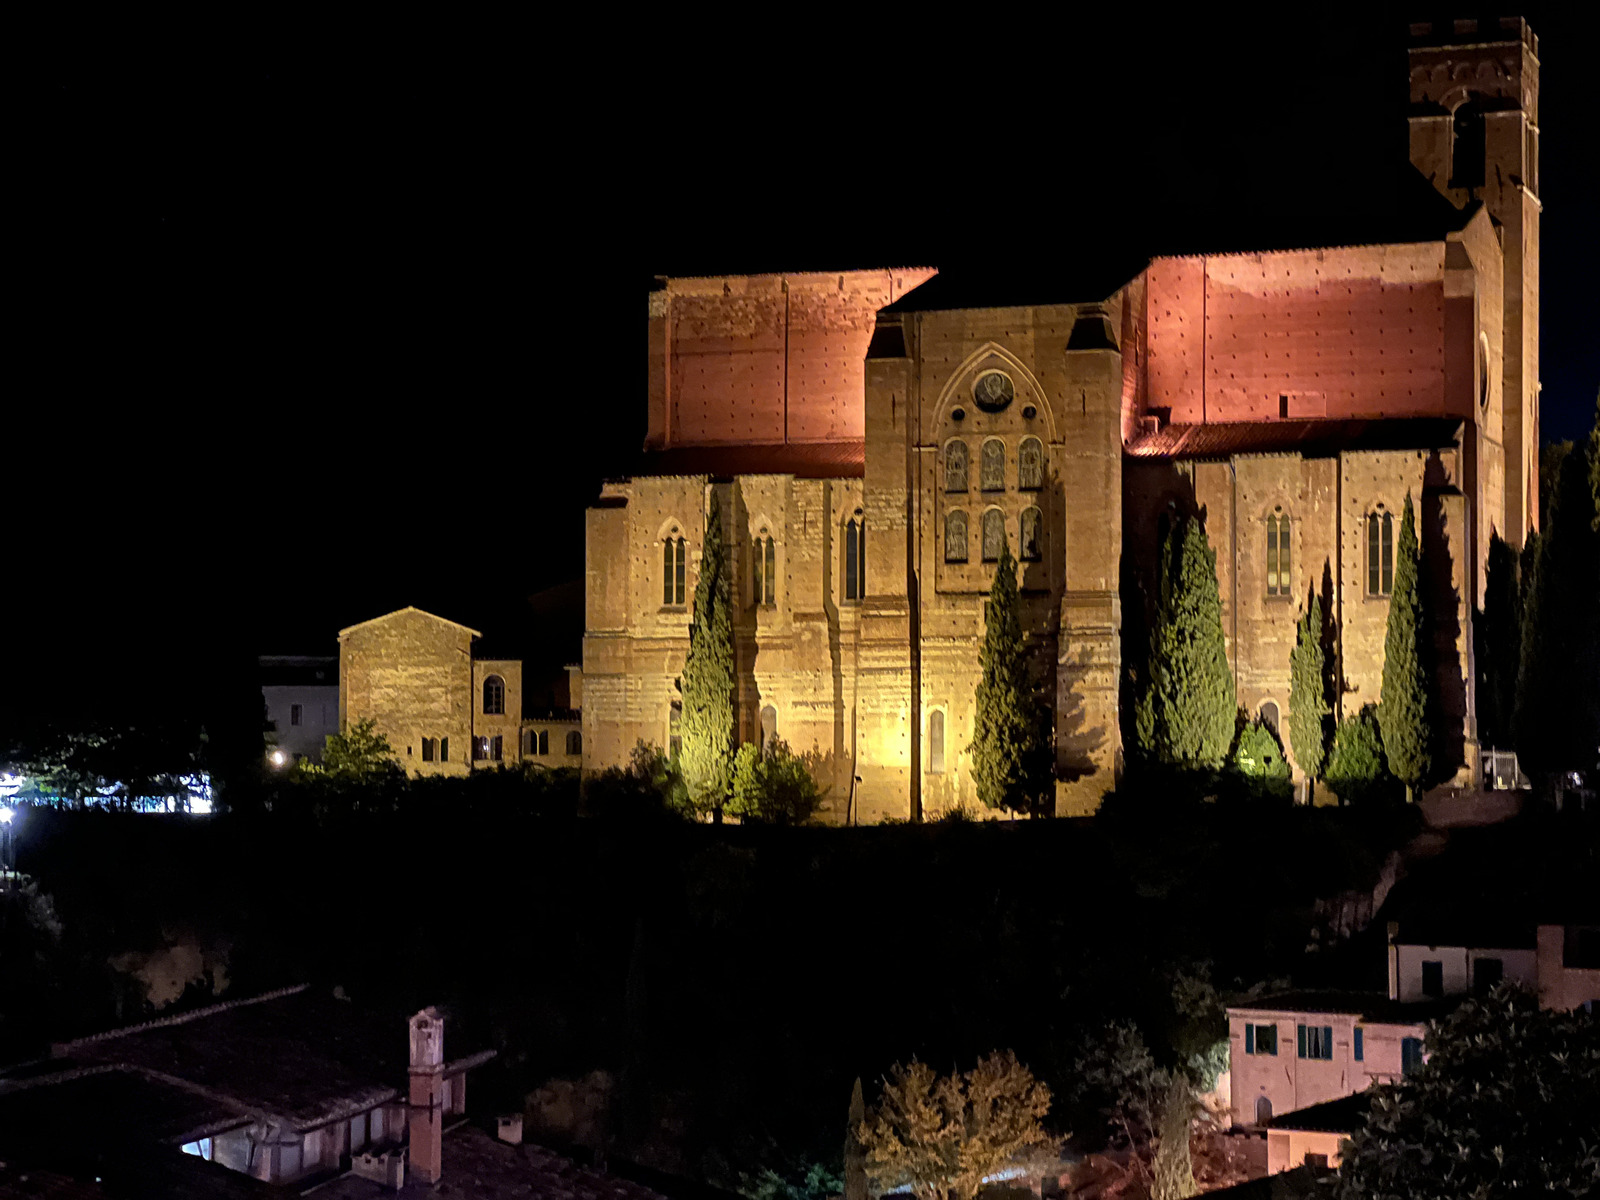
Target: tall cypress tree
{"type": "Point", "coordinates": [1010, 747]}
{"type": "Point", "coordinates": [1403, 704]}
{"type": "Point", "coordinates": [708, 719]}
{"type": "Point", "coordinates": [1557, 723]}
{"type": "Point", "coordinates": [1308, 693]}
{"type": "Point", "coordinates": [1186, 716]}
{"type": "Point", "coordinates": [1499, 645]}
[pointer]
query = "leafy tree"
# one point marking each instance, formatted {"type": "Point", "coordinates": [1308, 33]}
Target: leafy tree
{"type": "Point", "coordinates": [1403, 707]}
{"type": "Point", "coordinates": [1499, 647]}
{"type": "Point", "coordinates": [1011, 761]}
{"type": "Point", "coordinates": [1505, 1104]}
{"type": "Point", "coordinates": [1116, 1078]}
{"type": "Point", "coordinates": [1557, 722]}
{"type": "Point", "coordinates": [1357, 770]}
{"type": "Point", "coordinates": [1260, 759]}
{"type": "Point", "coordinates": [1185, 717]}
{"type": "Point", "coordinates": [649, 787]}
{"type": "Point", "coordinates": [708, 685]}
{"type": "Point", "coordinates": [1308, 693]}
{"type": "Point", "coordinates": [359, 754]}
{"type": "Point", "coordinates": [944, 1134]}
{"type": "Point", "coordinates": [1173, 1168]}
{"type": "Point", "coordinates": [774, 786]}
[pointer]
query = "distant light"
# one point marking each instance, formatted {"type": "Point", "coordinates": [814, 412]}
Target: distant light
{"type": "Point", "coordinates": [5, 815]}
{"type": "Point", "coordinates": [278, 758]}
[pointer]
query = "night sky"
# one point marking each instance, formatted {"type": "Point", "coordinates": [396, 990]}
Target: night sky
{"type": "Point", "coordinates": [306, 340]}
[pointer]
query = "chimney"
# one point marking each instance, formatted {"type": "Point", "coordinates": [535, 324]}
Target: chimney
{"type": "Point", "coordinates": [427, 1095]}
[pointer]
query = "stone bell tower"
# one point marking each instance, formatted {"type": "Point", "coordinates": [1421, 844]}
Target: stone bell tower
{"type": "Point", "coordinates": [1474, 120]}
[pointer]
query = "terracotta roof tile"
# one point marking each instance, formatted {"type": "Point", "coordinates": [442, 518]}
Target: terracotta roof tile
{"type": "Point", "coordinates": [1224, 439]}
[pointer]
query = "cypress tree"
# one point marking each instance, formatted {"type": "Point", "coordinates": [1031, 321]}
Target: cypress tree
{"type": "Point", "coordinates": [1403, 704]}
{"type": "Point", "coordinates": [1187, 714]}
{"type": "Point", "coordinates": [1499, 645]}
{"type": "Point", "coordinates": [1557, 723]}
{"type": "Point", "coordinates": [1308, 693]}
{"type": "Point", "coordinates": [708, 720]}
{"type": "Point", "coordinates": [1010, 742]}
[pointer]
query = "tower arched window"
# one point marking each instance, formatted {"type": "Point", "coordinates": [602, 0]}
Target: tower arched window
{"type": "Point", "coordinates": [1030, 543]}
{"type": "Point", "coordinates": [494, 696]}
{"type": "Point", "coordinates": [955, 466]}
{"type": "Point", "coordinates": [1269, 715]}
{"type": "Point", "coordinates": [994, 534]}
{"type": "Point", "coordinates": [992, 468]}
{"type": "Point", "coordinates": [936, 742]}
{"type": "Point", "coordinates": [1278, 553]}
{"type": "Point", "coordinates": [955, 536]}
{"type": "Point", "coordinates": [769, 728]}
{"type": "Point", "coordinates": [673, 570]}
{"type": "Point", "coordinates": [855, 558]}
{"type": "Point", "coordinates": [764, 561]}
{"type": "Point", "coordinates": [1030, 465]}
{"type": "Point", "coordinates": [1380, 554]}
{"type": "Point", "coordinates": [1467, 146]}
{"type": "Point", "coordinates": [574, 743]}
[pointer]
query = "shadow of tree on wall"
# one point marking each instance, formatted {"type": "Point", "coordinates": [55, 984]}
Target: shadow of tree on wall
{"type": "Point", "coordinates": [1442, 622]}
{"type": "Point", "coordinates": [1076, 739]}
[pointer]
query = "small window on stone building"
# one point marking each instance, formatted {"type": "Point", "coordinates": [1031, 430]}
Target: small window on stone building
{"type": "Point", "coordinates": [1269, 715]}
{"type": "Point", "coordinates": [294, 714]}
{"type": "Point", "coordinates": [1433, 979]}
{"type": "Point", "coordinates": [496, 748]}
{"type": "Point", "coordinates": [444, 749]}
{"type": "Point", "coordinates": [1410, 1055]}
{"type": "Point", "coordinates": [994, 534]}
{"type": "Point", "coordinates": [480, 749]}
{"type": "Point", "coordinates": [764, 563]}
{"type": "Point", "coordinates": [1467, 147]}
{"type": "Point", "coordinates": [1030, 465]}
{"type": "Point", "coordinates": [1380, 553]}
{"type": "Point", "coordinates": [672, 571]}
{"type": "Point", "coordinates": [955, 466]}
{"type": "Point", "coordinates": [427, 749]}
{"type": "Point", "coordinates": [1277, 553]}
{"type": "Point", "coordinates": [1030, 545]}
{"type": "Point", "coordinates": [855, 558]}
{"type": "Point", "coordinates": [1263, 1110]}
{"type": "Point", "coordinates": [955, 536]}
{"type": "Point", "coordinates": [544, 741]}
{"type": "Point", "coordinates": [769, 727]}
{"type": "Point", "coordinates": [574, 743]}
{"type": "Point", "coordinates": [494, 696]}
{"type": "Point", "coordinates": [992, 466]}
{"type": "Point", "coordinates": [1358, 1047]}
{"type": "Point", "coordinates": [936, 743]}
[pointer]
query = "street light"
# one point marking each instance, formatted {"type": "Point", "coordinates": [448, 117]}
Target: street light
{"type": "Point", "coordinates": [277, 758]}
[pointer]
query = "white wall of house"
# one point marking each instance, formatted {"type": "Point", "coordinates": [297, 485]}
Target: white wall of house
{"type": "Point", "coordinates": [1456, 964]}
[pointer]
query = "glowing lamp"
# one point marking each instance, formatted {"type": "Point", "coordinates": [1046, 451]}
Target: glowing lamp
{"type": "Point", "coordinates": [278, 758]}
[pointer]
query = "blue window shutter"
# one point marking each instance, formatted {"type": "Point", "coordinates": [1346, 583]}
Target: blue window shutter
{"type": "Point", "coordinates": [1327, 1042]}
{"type": "Point", "coordinates": [1249, 1039]}
{"type": "Point", "coordinates": [1359, 1049]}
{"type": "Point", "coordinates": [1301, 1031]}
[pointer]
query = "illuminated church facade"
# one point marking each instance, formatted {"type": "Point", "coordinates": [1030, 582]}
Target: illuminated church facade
{"type": "Point", "coordinates": [872, 437]}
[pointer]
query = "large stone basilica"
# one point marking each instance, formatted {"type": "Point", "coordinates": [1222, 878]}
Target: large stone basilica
{"type": "Point", "coordinates": [873, 437]}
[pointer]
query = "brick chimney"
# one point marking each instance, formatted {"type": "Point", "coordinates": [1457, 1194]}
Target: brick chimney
{"type": "Point", "coordinates": [427, 1095]}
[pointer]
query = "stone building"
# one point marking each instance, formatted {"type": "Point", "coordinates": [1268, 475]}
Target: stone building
{"type": "Point", "coordinates": [872, 437]}
{"type": "Point", "coordinates": [444, 710]}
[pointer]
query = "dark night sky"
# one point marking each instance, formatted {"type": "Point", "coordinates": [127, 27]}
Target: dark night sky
{"type": "Point", "coordinates": [312, 340]}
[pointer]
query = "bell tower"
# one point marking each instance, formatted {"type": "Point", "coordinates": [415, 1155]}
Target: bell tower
{"type": "Point", "coordinates": [1474, 120]}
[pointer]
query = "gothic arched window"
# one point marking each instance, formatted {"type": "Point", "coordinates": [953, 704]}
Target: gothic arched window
{"type": "Point", "coordinates": [994, 534]}
{"type": "Point", "coordinates": [955, 536]}
{"type": "Point", "coordinates": [1277, 554]}
{"type": "Point", "coordinates": [955, 466]}
{"type": "Point", "coordinates": [1030, 465]}
{"type": "Point", "coordinates": [992, 468]}
{"type": "Point", "coordinates": [574, 743]}
{"type": "Point", "coordinates": [855, 558]}
{"type": "Point", "coordinates": [1380, 554]}
{"type": "Point", "coordinates": [764, 559]}
{"type": "Point", "coordinates": [936, 742]}
{"type": "Point", "coordinates": [672, 571]}
{"type": "Point", "coordinates": [494, 696]}
{"type": "Point", "coordinates": [1030, 545]}
{"type": "Point", "coordinates": [769, 728]}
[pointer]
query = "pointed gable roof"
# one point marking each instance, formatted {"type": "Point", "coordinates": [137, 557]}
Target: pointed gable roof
{"type": "Point", "coordinates": [400, 612]}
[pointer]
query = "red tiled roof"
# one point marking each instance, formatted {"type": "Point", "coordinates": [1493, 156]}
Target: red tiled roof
{"type": "Point", "coordinates": [811, 460]}
{"type": "Point", "coordinates": [1224, 439]}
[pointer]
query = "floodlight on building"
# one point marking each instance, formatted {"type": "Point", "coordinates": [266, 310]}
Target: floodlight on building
{"type": "Point", "coordinates": [278, 758]}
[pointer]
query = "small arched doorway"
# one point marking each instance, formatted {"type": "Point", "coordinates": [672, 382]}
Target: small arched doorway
{"type": "Point", "coordinates": [1263, 1110]}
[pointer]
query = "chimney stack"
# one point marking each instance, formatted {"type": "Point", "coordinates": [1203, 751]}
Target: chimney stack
{"type": "Point", "coordinates": [427, 1095]}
